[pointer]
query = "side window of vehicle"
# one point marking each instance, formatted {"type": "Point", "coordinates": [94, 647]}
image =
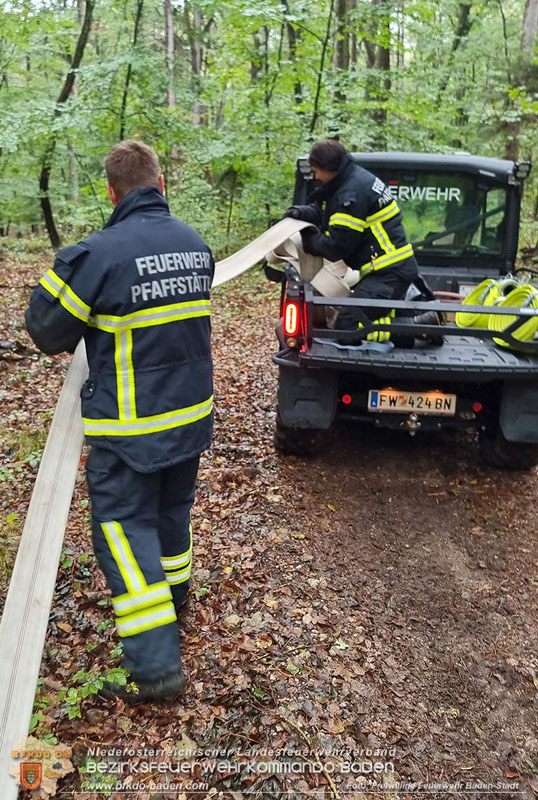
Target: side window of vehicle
{"type": "Point", "coordinates": [492, 230]}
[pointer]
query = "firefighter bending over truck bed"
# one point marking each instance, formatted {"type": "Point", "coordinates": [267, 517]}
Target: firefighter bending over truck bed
{"type": "Point", "coordinates": [360, 224]}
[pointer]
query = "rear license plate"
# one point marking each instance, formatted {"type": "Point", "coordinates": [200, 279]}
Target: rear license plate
{"type": "Point", "coordinates": [395, 401]}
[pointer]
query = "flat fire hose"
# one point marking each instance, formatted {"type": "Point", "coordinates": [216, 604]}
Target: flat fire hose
{"type": "Point", "coordinates": [24, 622]}
{"type": "Point", "coordinates": [29, 598]}
{"type": "Point", "coordinates": [256, 250]}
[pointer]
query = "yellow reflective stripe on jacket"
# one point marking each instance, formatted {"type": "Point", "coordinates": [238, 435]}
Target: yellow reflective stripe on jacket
{"type": "Point", "coordinates": [143, 425]}
{"type": "Point", "coordinates": [63, 292]}
{"type": "Point", "coordinates": [125, 378]}
{"type": "Point", "coordinates": [148, 317]}
{"type": "Point", "coordinates": [147, 620]}
{"type": "Point", "coordinates": [400, 254]}
{"type": "Point", "coordinates": [155, 594]}
{"type": "Point", "coordinates": [386, 213]}
{"type": "Point", "coordinates": [382, 237]}
{"type": "Point", "coordinates": [347, 221]}
{"type": "Point", "coordinates": [123, 556]}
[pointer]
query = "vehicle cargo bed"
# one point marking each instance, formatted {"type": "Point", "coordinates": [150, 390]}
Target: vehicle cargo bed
{"type": "Point", "coordinates": [459, 358]}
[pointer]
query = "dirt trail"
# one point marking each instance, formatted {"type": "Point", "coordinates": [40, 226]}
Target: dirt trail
{"type": "Point", "coordinates": [380, 596]}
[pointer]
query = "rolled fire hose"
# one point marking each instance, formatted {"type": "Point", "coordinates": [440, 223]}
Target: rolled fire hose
{"type": "Point", "coordinates": [24, 622]}
{"type": "Point", "coordinates": [524, 296]}
{"type": "Point", "coordinates": [486, 293]}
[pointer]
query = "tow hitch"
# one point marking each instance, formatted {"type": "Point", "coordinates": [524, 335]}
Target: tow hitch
{"type": "Point", "coordinates": [412, 424]}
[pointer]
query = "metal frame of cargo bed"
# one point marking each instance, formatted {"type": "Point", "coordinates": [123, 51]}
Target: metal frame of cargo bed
{"type": "Point", "coordinates": [467, 354]}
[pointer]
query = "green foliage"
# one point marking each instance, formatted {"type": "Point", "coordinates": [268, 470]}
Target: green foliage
{"type": "Point", "coordinates": [88, 684]}
{"type": "Point", "coordinates": [229, 142]}
{"type": "Point", "coordinates": [38, 719]}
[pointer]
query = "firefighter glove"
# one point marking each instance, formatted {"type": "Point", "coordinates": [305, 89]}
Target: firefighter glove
{"type": "Point", "coordinates": [292, 211]}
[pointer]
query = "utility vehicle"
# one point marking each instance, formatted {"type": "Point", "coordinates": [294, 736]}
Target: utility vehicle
{"type": "Point", "coordinates": [461, 213]}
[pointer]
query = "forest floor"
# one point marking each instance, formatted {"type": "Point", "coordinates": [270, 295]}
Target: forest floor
{"type": "Point", "coordinates": [375, 605]}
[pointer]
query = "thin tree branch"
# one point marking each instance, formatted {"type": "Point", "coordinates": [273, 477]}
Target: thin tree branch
{"type": "Point", "coordinates": [315, 114]}
{"type": "Point", "coordinates": [505, 41]}
{"type": "Point", "coordinates": [138, 17]}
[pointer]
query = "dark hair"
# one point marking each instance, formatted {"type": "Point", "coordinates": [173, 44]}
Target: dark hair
{"type": "Point", "coordinates": [129, 164]}
{"type": "Point", "coordinates": [327, 155]}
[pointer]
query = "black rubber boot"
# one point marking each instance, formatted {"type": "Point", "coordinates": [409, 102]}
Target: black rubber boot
{"type": "Point", "coordinates": [429, 318]}
{"type": "Point", "coordinates": [144, 691]}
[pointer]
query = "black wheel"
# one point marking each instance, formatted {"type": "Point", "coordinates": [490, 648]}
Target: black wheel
{"type": "Point", "coordinates": [498, 452]}
{"type": "Point", "coordinates": [297, 441]}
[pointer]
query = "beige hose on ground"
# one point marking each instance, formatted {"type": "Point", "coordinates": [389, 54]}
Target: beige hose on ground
{"type": "Point", "coordinates": [26, 612]}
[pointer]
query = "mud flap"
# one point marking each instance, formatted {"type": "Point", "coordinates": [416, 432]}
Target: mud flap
{"type": "Point", "coordinates": [518, 417]}
{"type": "Point", "coordinates": [307, 397]}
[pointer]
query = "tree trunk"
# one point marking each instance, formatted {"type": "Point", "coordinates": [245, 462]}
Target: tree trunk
{"type": "Point", "coordinates": [528, 41]}
{"type": "Point", "coordinates": [463, 26]}
{"type": "Point", "coordinates": [378, 84]}
{"type": "Point", "coordinates": [340, 64]}
{"type": "Point", "coordinates": [139, 8]}
{"type": "Point", "coordinates": [293, 38]}
{"type": "Point", "coordinates": [341, 49]}
{"type": "Point", "coordinates": [73, 174]}
{"type": "Point", "coordinates": [255, 62]}
{"type": "Point", "coordinates": [169, 44]}
{"type": "Point", "coordinates": [46, 164]}
{"type": "Point", "coordinates": [530, 27]}
{"type": "Point", "coordinates": [194, 31]}
{"type": "Point", "coordinates": [383, 65]}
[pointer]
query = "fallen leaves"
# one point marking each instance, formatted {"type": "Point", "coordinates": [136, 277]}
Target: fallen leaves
{"type": "Point", "coordinates": [312, 593]}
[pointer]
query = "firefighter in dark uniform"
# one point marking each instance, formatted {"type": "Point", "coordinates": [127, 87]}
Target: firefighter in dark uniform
{"type": "Point", "coordinates": [138, 293]}
{"type": "Point", "coordinates": [359, 223]}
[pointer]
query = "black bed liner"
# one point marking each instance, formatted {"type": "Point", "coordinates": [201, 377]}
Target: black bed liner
{"type": "Point", "coordinates": [462, 358]}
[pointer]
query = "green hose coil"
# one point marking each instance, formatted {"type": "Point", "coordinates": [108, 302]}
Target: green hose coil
{"type": "Point", "coordinates": [488, 293]}
{"type": "Point", "coordinates": [524, 296]}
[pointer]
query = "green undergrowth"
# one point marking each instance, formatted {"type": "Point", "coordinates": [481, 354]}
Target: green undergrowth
{"type": "Point", "coordinates": [21, 452]}
{"type": "Point", "coordinates": [24, 446]}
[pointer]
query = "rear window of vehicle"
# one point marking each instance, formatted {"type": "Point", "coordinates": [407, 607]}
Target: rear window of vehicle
{"type": "Point", "coordinates": [449, 214]}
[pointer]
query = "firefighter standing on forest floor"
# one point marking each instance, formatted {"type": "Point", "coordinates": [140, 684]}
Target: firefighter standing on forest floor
{"type": "Point", "coordinates": [360, 225]}
{"type": "Point", "coordinates": [138, 293]}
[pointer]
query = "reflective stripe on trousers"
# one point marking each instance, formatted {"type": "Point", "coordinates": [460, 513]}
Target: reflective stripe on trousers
{"type": "Point", "coordinates": [140, 523]}
{"type": "Point", "coordinates": [178, 568]}
{"type": "Point", "coordinates": [142, 607]}
{"type": "Point", "coordinates": [380, 336]}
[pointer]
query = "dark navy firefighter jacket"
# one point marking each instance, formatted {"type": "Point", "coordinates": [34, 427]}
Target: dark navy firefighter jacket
{"type": "Point", "coordinates": [138, 292]}
{"type": "Point", "coordinates": [359, 222]}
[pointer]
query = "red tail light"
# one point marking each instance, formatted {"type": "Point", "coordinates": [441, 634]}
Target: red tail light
{"type": "Point", "coordinates": [291, 319]}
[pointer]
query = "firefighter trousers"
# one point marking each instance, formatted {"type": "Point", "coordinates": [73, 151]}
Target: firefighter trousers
{"type": "Point", "coordinates": [142, 539]}
{"type": "Point", "coordinates": [387, 284]}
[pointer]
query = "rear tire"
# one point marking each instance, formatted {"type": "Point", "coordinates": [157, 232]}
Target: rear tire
{"type": "Point", "coordinates": [297, 441]}
{"type": "Point", "coordinates": [498, 452]}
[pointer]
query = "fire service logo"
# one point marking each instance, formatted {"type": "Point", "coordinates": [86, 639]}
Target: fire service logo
{"type": "Point", "coordinates": [31, 774]}
{"type": "Point", "coordinates": [39, 765]}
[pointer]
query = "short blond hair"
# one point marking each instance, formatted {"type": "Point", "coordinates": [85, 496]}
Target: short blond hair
{"type": "Point", "coordinates": [129, 164]}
